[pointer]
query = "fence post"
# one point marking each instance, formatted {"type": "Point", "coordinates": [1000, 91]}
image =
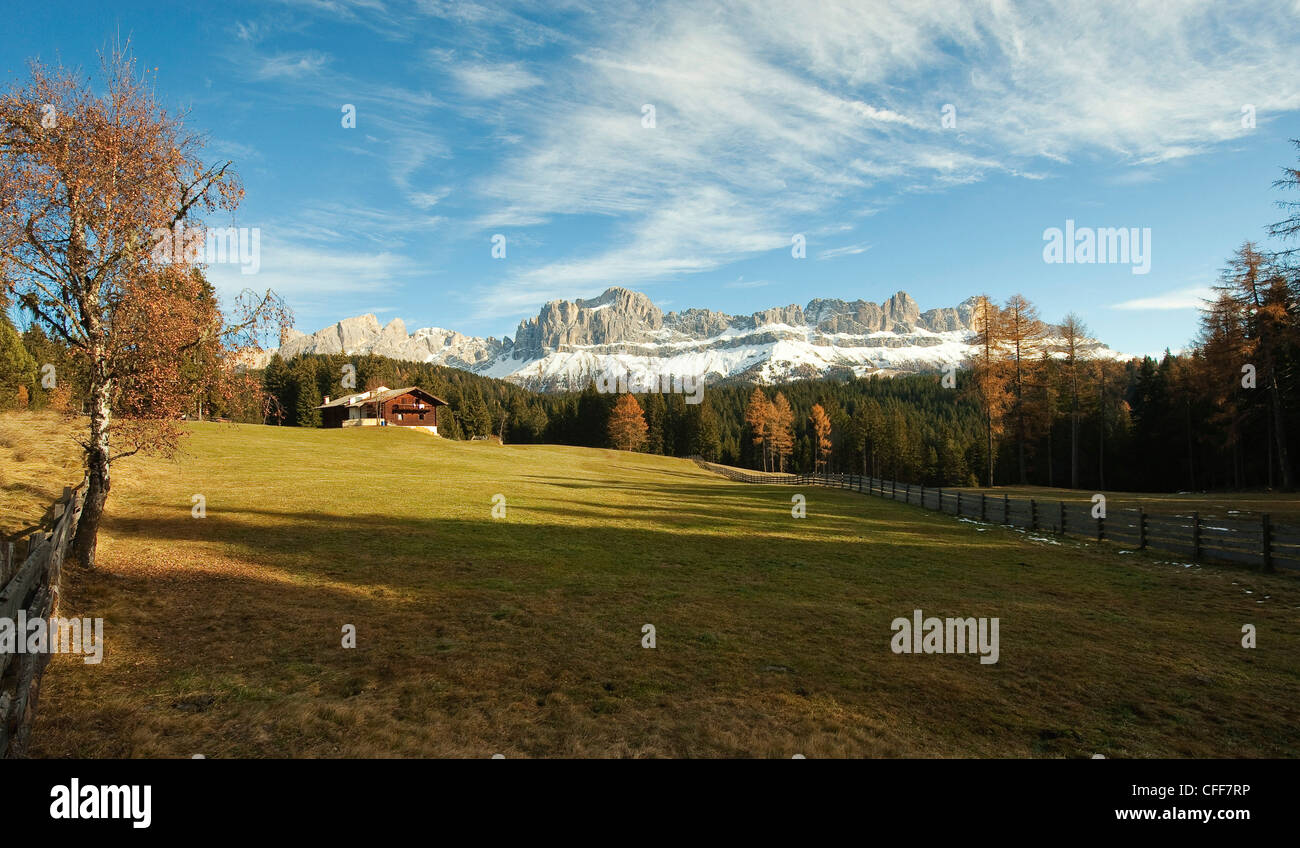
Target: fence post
{"type": "Point", "coordinates": [1101, 529]}
{"type": "Point", "coordinates": [1266, 538]}
{"type": "Point", "coordinates": [940, 507]}
{"type": "Point", "coordinates": [922, 494]}
{"type": "Point", "coordinates": [893, 490]}
{"type": "Point", "coordinates": [1033, 514]}
{"type": "Point", "coordinates": [908, 494]}
{"type": "Point", "coordinates": [1142, 529]}
{"type": "Point", "coordinates": [959, 503]}
{"type": "Point", "coordinates": [1006, 509]}
{"type": "Point", "coordinates": [1196, 537]}
{"type": "Point", "coordinates": [984, 503]}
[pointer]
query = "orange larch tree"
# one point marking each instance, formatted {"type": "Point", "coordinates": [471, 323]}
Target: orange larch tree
{"type": "Point", "coordinates": [1024, 342]}
{"type": "Point", "coordinates": [780, 434]}
{"type": "Point", "coordinates": [758, 415]}
{"type": "Point", "coordinates": [627, 427]}
{"type": "Point", "coordinates": [988, 371]}
{"type": "Point", "coordinates": [821, 424]}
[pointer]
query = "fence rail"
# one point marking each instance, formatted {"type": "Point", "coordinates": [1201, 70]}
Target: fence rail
{"type": "Point", "coordinates": [30, 586]}
{"type": "Point", "coordinates": [1256, 542]}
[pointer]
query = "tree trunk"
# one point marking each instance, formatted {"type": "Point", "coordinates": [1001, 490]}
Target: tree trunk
{"type": "Point", "coordinates": [1051, 475]}
{"type": "Point", "coordinates": [1101, 433]}
{"type": "Point", "coordinates": [1279, 431]}
{"type": "Point", "coordinates": [988, 428]}
{"type": "Point", "coordinates": [1020, 419]}
{"type": "Point", "coordinates": [83, 546]}
{"type": "Point", "coordinates": [1074, 439]}
{"type": "Point", "coordinates": [1074, 450]}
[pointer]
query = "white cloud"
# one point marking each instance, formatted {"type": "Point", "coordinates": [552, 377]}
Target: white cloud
{"type": "Point", "coordinates": [803, 124]}
{"type": "Point", "coordinates": [701, 229]}
{"type": "Point", "coordinates": [290, 65]}
{"type": "Point", "coordinates": [775, 117]}
{"type": "Point", "coordinates": [492, 81]}
{"type": "Point", "coordinates": [298, 271]}
{"type": "Point", "coordinates": [1190, 298]}
{"type": "Point", "coordinates": [849, 250]}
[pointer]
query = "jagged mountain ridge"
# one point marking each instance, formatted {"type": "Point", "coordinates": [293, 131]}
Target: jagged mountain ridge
{"type": "Point", "coordinates": [570, 342]}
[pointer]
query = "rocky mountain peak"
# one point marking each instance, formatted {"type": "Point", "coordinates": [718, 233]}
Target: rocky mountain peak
{"type": "Point", "coordinates": [617, 315]}
{"type": "Point", "coordinates": [569, 340]}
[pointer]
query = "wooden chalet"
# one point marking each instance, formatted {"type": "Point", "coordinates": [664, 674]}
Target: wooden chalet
{"type": "Point", "coordinates": [408, 407]}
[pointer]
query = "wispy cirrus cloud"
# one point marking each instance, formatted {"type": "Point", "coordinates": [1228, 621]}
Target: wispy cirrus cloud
{"type": "Point", "coordinates": [1188, 298]}
{"type": "Point", "coordinates": [848, 250]}
{"type": "Point", "coordinates": [803, 124]}
{"type": "Point", "coordinates": [493, 81]}
{"type": "Point", "coordinates": [531, 116]}
{"type": "Point", "coordinates": [289, 65]}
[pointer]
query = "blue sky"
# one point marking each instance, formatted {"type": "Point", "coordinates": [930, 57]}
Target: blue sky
{"type": "Point", "coordinates": [771, 119]}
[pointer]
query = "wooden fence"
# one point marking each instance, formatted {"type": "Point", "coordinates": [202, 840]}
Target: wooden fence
{"type": "Point", "coordinates": [1255, 541]}
{"type": "Point", "coordinates": [29, 581]}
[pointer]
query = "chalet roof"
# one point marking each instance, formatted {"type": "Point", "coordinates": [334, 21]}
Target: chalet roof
{"type": "Point", "coordinates": [379, 395]}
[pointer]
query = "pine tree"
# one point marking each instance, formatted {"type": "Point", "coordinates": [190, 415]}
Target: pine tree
{"type": "Point", "coordinates": [656, 414]}
{"type": "Point", "coordinates": [277, 383]}
{"type": "Point", "coordinates": [307, 395]}
{"type": "Point", "coordinates": [1074, 365]}
{"type": "Point", "coordinates": [17, 367]}
{"type": "Point", "coordinates": [45, 351]}
{"type": "Point", "coordinates": [702, 427]}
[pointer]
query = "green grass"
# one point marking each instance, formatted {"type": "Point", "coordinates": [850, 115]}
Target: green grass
{"type": "Point", "coordinates": [522, 635]}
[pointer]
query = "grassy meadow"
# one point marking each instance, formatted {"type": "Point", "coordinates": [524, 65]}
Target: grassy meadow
{"type": "Point", "coordinates": [522, 635]}
{"type": "Point", "coordinates": [38, 457]}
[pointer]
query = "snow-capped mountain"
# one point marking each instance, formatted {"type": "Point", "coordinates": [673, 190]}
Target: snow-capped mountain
{"type": "Point", "coordinates": [571, 342]}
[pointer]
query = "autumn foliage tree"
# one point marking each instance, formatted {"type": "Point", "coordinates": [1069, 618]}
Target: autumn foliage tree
{"type": "Point", "coordinates": [988, 369]}
{"type": "Point", "coordinates": [1024, 334]}
{"type": "Point", "coordinates": [758, 415]}
{"type": "Point", "coordinates": [780, 434]}
{"type": "Point", "coordinates": [91, 176]}
{"type": "Point", "coordinates": [821, 425]}
{"type": "Point", "coordinates": [627, 427]}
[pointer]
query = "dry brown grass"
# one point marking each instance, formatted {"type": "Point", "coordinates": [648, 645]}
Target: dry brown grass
{"type": "Point", "coordinates": [521, 636]}
{"type": "Point", "coordinates": [38, 457]}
